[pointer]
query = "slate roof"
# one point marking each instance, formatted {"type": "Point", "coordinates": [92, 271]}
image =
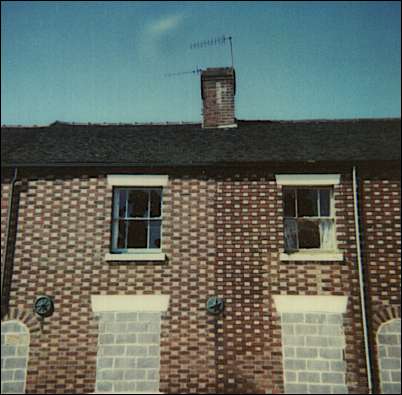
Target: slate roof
{"type": "Point", "coordinates": [189, 145]}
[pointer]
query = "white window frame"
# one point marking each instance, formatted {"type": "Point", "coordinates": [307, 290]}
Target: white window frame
{"type": "Point", "coordinates": [313, 181]}
{"type": "Point", "coordinates": [127, 182]}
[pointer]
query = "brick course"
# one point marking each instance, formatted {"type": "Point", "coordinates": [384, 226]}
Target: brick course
{"type": "Point", "coordinates": [222, 234]}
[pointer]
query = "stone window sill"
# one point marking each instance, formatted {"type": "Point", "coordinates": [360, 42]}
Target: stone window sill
{"type": "Point", "coordinates": [146, 256]}
{"type": "Point", "coordinates": [313, 256]}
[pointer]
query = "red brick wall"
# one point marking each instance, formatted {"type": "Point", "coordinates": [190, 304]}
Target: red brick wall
{"type": "Point", "coordinates": [222, 235]}
{"type": "Point", "coordinates": [5, 191]}
{"type": "Point", "coordinates": [381, 201]}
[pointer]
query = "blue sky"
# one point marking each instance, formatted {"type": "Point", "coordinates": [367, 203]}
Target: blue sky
{"type": "Point", "coordinates": [107, 61]}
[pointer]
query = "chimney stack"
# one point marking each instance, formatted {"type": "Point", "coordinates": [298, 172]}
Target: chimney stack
{"type": "Point", "coordinates": [218, 88]}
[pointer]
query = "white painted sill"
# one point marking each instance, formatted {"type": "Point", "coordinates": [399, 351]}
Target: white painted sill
{"type": "Point", "coordinates": [324, 256]}
{"type": "Point", "coordinates": [145, 256]}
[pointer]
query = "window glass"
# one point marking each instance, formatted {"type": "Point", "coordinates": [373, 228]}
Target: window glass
{"type": "Point", "coordinates": [121, 239]}
{"type": "Point", "coordinates": [122, 196]}
{"type": "Point", "coordinates": [155, 234]}
{"type": "Point", "coordinates": [307, 202]}
{"type": "Point", "coordinates": [137, 214]}
{"type": "Point", "coordinates": [290, 234]}
{"type": "Point", "coordinates": [327, 234]}
{"type": "Point", "coordinates": [325, 203]}
{"type": "Point", "coordinates": [156, 203]}
{"type": "Point", "coordinates": [289, 202]}
{"type": "Point", "coordinates": [137, 236]}
{"type": "Point", "coordinates": [138, 204]}
{"type": "Point", "coordinates": [308, 233]}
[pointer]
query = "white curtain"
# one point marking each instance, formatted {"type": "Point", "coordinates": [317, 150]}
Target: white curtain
{"type": "Point", "coordinates": [327, 234]}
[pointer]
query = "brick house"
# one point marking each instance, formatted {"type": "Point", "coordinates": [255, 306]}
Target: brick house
{"type": "Point", "coordinates": [223, 257]}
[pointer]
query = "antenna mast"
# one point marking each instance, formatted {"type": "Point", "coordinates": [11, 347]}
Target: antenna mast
{"type": "Point", "coordinates": [221, 40]}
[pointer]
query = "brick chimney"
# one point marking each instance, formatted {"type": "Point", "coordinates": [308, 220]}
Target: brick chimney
{"type": "Point", "coordinates": [218, 88]}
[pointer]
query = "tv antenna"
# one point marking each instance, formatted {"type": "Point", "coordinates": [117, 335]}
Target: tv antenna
{"type": "Point", "coordinates": [220, 40]}
{"type": "Point", "coordinates": [176, 74]}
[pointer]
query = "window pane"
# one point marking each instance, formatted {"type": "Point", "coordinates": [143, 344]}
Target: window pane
{"type": "Point", "coordinates": [121, 238]}
{"type": "Point", "coordinates": [122, 203]}
{"type": "Point", "coordinates": [138, 204]}
{"type": "Point", "coordinates": [307, 203]}
{"type": "Point", "coordinates": [325, 203]}
{"type": "Point", "coordinates": [290, 235]}
{"type": "Point", "coordinates": [154, 234]}
{"type": "Point", "coordinates": [327, 234]}
{"type": "Point", "coordinates": [289, 202]}
{"type": "Point", "coordinates": [137, 234]}
{"type": "Point", "coordinates": [156, 199]}
{"type": "Point", "coordinates": [309, 233]}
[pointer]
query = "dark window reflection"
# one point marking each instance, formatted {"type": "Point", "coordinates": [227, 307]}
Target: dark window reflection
{"type": "Point", "coordinates": [122, 203]}
{"type": "Point", "coordinates": [138, 204]}
{"type": "Point", "coordinates": [156, 203]}
{"type": "Point", "coordinates": [307, 203]}
{"type": "Point", "coordinates": [289, 203]}
{"type": "Point", "coordinates": [309, 234]}
{"type": "Point", "coordinates": [154, 234]}
{"type": "Point", "coordinates": [325, 203]}
{"type": "Point", "coordinates": [121, 239]}
{"type": "Point", "coordinates": [137, 234]}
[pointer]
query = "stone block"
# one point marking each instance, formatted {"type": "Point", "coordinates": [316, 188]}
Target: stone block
{"type": "Point", "coordinates": [137, 351]}
{"type": "Point", "coordinates": [148, 386]}
{"type": "Point", "coordinates": [149, 362]}
{"type": "Point", "coordinates": [126, 338]}
{"type": "Point", "coordinates": [149, 317]}
{"type": "Point", "coordinates": [332, 378]}
{"type": "Point", "coordinates": [292, 318]}
{"type": "Point", "coordinates": [104, 362]}
{"type": "Point", "coordinates": [19, 375]}
{"type": "Point", "coordinates": [107, 338]}
{"type": "Point", "coordinates": [318, 365]}
{"type": "Point", "coordinates": [15, 363]}
{"type": "Point", "coordinates": [295, 364]}
{"type": "Point", "coordinates": [388, 388]}
{"type": "Point", "coordinates": [7, 375]}
{"type": "Point", "coordinates": [110, 374]}
{"type": "Point", "coordinates": [125, 363]}
{"type": "Point", "coordinates": [339, 389]}
{"type": "Point", "coordinates": [309, 377]}
{"type": "Point", "coordinates": [317, 341]}
{"type": "Point", "coordinates": [330, 330]}
{"type": "Point", "coordinates": [293, 340]}
{"type": "Point", "coordinates": [306, 352]}
{"type": "Point", "coordinates": [394, 352]}
{"type": "Point", "coordinates": [153, 374]}
{"type": "Point", "coordinates": [104, 386]}
{"type": "Point", "coordinates": [312, 318]}
{"type": "Point", "coordinates": [12, 387]}
{"type": "Point", "coordinates": [125, 386]}
{"type": "Point", "coordinates": [135, 374]}
{"type": "Point", "coordinates": [288, 329]}
{"type": "Point", "coordinates": [331, 353]}
{"type": "Point", "coordinates": [137, 327]}
{"type": "Point", "coordinates": [148, 338]}
{"type": "Point", "coordinates": [289, 352]}
{"type": "Point", "coordinates": [319, 389]}
{"type": "Point", "coordinates": [290, 377]}
{"type": "Point", "coordinates": [388, 363]}
{"type": "Point", "coordinates": [305, 329]}
{"type": "Point", "coordinates": [125, 317]}
{"type": "Point", "coordinates": [296, 388]}
{"type": "Point", "coordinates": [112, 350]}
{"type": "Point", "coordinates": [391, 340]}
{"type": "Point", "coordinates": [8, 351]}
{"type": "Point", "coordinates": [338, 366]}
{"type": "Point", "coordinates": [335, 319]}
